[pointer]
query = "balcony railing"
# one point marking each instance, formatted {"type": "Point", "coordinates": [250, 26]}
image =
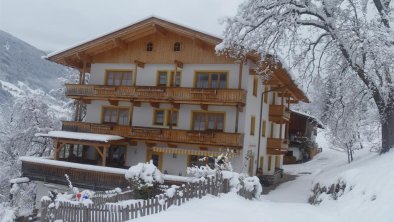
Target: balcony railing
{"type": "Point", "coordinates": [213, 138]}
{"type": "Point", "coordinates": [158, 94]}
{"type": "Point", "coordinates": [277, 146]}
{"type": "Point", "coordinates": [279, 114]}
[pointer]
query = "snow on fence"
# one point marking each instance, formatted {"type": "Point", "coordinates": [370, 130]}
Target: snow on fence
{"type": "Point", "coordinates": [102, 197]}
{"type": "Point", "coordinates": [121, 212]}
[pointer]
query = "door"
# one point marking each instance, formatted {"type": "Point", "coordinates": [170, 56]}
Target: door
{"type": "Point", "coordinates": [157, 159]}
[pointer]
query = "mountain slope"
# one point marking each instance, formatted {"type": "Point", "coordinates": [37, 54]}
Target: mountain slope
{"type": "Point", "coordinates": [21, 62]}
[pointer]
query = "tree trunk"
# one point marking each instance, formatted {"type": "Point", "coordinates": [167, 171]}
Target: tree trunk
{"type": "Point", "coordinates": [388, 129]}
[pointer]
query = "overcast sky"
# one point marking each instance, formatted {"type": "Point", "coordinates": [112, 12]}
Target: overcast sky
{"type": "Point", "coordinates": [51, 25]}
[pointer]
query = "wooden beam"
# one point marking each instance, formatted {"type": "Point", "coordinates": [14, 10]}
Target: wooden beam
{"type": "Point", "coordinates": [159, 29]}
{"type": "Point", "coordinates": [113, 102]}
{"type": "Point", "coordinates": [139, 63]}
{"type": "Point", "coordinates": [136, 103]}
{"type": "Point", "coordinates": [120, 44]}
{"type": "Point", "coordinates": [104, 160]}
{"type": "Point", "coordinates": [155, 104]}
{"type": "Point", "coordinates": [204, 106]}
{"type": "Point", "coordinates": [171, 145]}
{"type": "Point", "coordinates": [178, 64]}
{"type": "Point", "coordinates": [133, 143]}
{"type": "Point", "coordinates": [176, 105]}
{"type": "Point", "coordinates": [84, 57]}
{"type": "Point", "coordinates": [87, 101]}
{"type": "Point", "coordinates": [149, 144]}
{"type": "Point", "coordinates": [252, 72]}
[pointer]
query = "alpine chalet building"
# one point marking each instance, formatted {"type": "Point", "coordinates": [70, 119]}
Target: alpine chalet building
{"type": "Point", "coordinates": [158, 91]}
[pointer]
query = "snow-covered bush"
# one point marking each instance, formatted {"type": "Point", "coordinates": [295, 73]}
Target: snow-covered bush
{"type": "Point", "coordinates": [222, 162]}
{"type": "Point", "coordinates": [144, 179]}
{"type": "Point", "coordinates": [200, 171]}
{"type": "Point", "coordinates": [252, 184]}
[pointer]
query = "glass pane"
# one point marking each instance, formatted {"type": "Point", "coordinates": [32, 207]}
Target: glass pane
{"type": "Point", "coordinates": [214, 80]}
{"type": "Point", "coordinates": [123, 117]}
{"type": "Point", "coordinates": [202, 80]}
{"type": "Point", "coordinates": [174, 118]}
{"type": "Point", "coordinates": [126, 79]}
{"type": "Point", "coordinates": [220, 122]}
{"type": "Point", "coordinates": [211, 121]}
{"type": "Point", "coordinates": [118, 78]}
{"type": "Point", "coordinates": [159, 119]}
{"type": "Point", "coordinates": [162, 78]}
{"type": "Point", "coordinates": [107, 115]}
{"type": "Point", "coordinates": [110, 78]}
{"type": "Point", "coordinates": [199, 121]}
{"type": "Point", "coordinates": [223, 81]}
{"type": "Point", "coordinates": [113, 116]}
{"type": "Point", "coordinates": [178, 79]}
{"type": "Point", "coordinates": [155, 160]}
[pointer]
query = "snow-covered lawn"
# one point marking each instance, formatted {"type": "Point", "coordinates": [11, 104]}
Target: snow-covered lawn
{"type": "Point", "coordinates": [370, 197]}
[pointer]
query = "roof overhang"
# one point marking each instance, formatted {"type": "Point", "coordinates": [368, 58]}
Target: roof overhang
{"type": "Point", "coordinates": [76, 55]}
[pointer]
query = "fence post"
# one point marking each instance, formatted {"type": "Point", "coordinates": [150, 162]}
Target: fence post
{"type": "Point", "coordinates": [44, 210]}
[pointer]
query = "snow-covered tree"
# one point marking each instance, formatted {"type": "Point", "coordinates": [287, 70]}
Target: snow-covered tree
{"type": "Point", "coordinates": [348, 41]}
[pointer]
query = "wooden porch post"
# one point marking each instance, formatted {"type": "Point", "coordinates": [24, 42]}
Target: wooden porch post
{"type": "Point", "coordinates": [104, 156]}
{"type": "Point", "coordinates": [56, 150]}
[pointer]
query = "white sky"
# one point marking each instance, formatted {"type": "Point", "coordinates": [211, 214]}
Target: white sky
{"type": "Point", "coordinates": [51, 25]}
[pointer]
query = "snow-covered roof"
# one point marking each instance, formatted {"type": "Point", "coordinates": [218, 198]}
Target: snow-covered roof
{"type": "Point", "coordinates": [310, 117]}
{"type": "Point", "coordinates": [80, 136]}
{"type": "Point", "coordinates": [103, 169]}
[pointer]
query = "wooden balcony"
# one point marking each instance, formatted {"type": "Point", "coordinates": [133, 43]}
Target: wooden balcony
{"type": "Point", "coordinates": [163, 135]}
{"type": "Point", "coordinates": [276, 146]}
{"type": "Point", "coordinates": [179, 95]}
{"type": "Point", "coordinates": [279, 114]}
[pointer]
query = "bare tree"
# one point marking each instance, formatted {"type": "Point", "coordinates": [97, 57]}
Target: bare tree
{"type": "Point", "coordinates": [333, 39]}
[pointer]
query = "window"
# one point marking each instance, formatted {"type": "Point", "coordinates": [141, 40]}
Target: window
{"type": "Point", "coordinates": [265, 94]}
{"type": "Point", "coordinates": [269, 162]}
{"type": "Point", "coordinates": [177, 46]}
{"type": "Point", "coordinates": [273, 98]}
{"type": "Point", "coordinates": [162, 78]}
{"type": "Point", "coordinates": [255, 85]}
{"type": "Point", "coordinates": [208, 121]}
{"type": "Point", "coordinates": [162, 117]}
{"type": "Point", "coordinates": [176, 80]}
{"type": "Point", "coordinates": [71, 150]}
{"type": "Point", "coordinates": [118, 78]}
{"type": "Point", "coordinates": [159, 116]}
{"type": "Point", "coordinates": [173, 120]}
{"type": "Point", "coordinates": [116, 115]}
{"type": "Point", "coordinates": [272, 131]}
{"type": "Point", "coordinates": [261, 166]}
{"type": "Point", "coordinates": [201, 161]}
{"type": "Point", "coordinates": [252, 125]}
{"type": "Point", "coordinates": [277, 161]}
{"type": "Point", "coordinates": [149, 47]}
{"type": "Point", "coordinates": [264, 127]}
{"type": "Point", "coordinates": [211, 80]}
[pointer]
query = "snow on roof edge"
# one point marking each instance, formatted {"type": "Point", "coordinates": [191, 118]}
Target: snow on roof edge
{"type": "Point", "coordinates": [315, 119]}
{"type": "Point", "coordinates": [79, 136]}
{"type": "Point", "coordinates": [123, 27]}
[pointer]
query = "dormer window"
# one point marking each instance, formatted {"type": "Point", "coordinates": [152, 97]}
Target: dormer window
{"type": "Point", "coordinates": [149, 47]}
{"type": "Point", "coordinates": [177, 46]}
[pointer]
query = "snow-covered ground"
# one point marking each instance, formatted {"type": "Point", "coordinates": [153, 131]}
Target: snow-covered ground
{"type": "Point", "coordinates": [367, 197]}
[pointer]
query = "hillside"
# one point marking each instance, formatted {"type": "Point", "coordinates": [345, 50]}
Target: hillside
{"type": "Point", "coordinates": [367, 197]}
{"type": "Point", "coordinates": [22, 69]}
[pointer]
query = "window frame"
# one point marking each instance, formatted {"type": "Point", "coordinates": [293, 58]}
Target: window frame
{"type": "Point", "coordinates": [155, 111]}
{"type": "Point", "coordinates": [210, 73]}
{"type": "Point", "coordinates": [117, 109]}
{"type": "Point", "coordinates": [118, 71]}
{"type": "Point", "coordinates": [149, 47]}
{"type": "Point", "coordinates": [252, 131]}
{"type": "Point", "coordinates": [255, 85]}
{"type": "Point", "coordinates": [264, 128]}
{"type": "Point", "coordinates": [166, 117]}
{"type": "Point", "coordinates": [177, 47]}
{"type": "Point", "coordinates": [206, 119]}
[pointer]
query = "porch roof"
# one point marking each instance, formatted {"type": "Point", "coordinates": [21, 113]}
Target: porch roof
{"type": "Point", "coordinates": [80, 136]}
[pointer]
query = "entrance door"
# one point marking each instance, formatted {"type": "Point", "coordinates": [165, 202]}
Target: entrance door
{"type": "Point", "coordinates": [156, 157]}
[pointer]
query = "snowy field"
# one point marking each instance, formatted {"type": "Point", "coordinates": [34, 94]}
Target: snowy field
{"type": "Point", "coordinates": [367, 198]}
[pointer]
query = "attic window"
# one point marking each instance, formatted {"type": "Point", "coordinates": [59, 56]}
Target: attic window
{"type": "Point", "coordinates": [149, 47]}
{"type": "Point", "coordinates": [177, 46]}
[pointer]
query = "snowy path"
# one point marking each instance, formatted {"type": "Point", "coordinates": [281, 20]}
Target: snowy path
{"type": "Point", "coordinates": [288, 202]}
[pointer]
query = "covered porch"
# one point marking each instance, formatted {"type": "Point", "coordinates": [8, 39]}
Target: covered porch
{"type": "Point", "coordinates": [88, 148]}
